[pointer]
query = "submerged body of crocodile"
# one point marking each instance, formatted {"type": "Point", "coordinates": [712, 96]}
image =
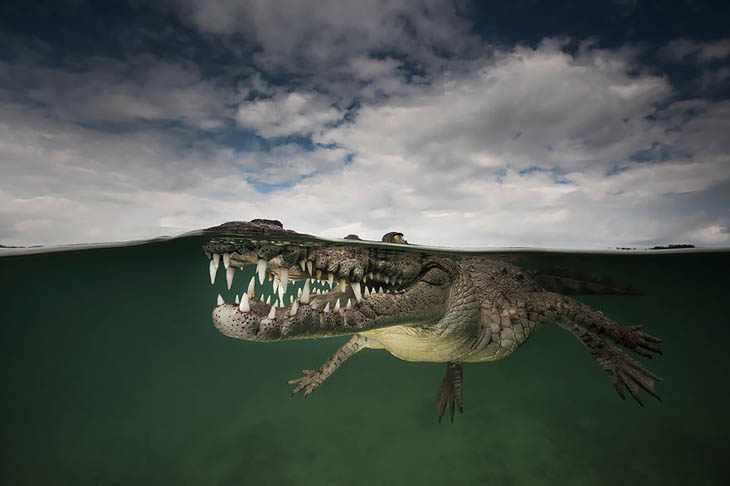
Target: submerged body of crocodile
{"type": "Point", "coordinates": [416, 305]}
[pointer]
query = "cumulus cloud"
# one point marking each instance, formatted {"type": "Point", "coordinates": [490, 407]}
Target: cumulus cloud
{"type": "Point", "coordinates": [293, 113]}
{"type": "Point", "coordinates": [524, 107]}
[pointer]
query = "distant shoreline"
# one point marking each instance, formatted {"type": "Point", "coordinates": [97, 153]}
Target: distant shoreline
{"type": "Point", "coordinates": [661, 247]}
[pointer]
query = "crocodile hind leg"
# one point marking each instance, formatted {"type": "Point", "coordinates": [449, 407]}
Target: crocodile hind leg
{"type": "Point", "coordinates": [313, 378]}
{"type": "Point", "coordinates": [598, 333]}
{"type": "Point", "coordinates": [449, 394]}
{"type": "Point", "coordinates": [622, 369]}
{"type": "Point", "coordinates": [543, 307]}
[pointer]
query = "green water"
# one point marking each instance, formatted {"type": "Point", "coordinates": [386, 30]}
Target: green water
{"type": "Point", "coordinates": [112, 373]}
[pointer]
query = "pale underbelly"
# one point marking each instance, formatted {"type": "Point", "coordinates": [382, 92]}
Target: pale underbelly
{"type": "Point", "coordinates": [414, 344]}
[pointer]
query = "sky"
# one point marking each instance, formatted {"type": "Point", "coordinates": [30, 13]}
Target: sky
{"type": "Point", "coordinates": [574, 124]}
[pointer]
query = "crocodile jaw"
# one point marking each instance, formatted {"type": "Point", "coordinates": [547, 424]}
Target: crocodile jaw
{"type": "Point", "coordinates": [348, 308]}
{"type": "Point", "coordinates": [421, 303]}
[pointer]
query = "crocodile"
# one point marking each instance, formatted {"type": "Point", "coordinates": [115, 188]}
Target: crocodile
{"type": "Point", "coordinates": [419, 306]}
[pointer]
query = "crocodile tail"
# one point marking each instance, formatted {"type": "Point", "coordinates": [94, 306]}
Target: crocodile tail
{"type": "Point", "coordinates": [565, 281]}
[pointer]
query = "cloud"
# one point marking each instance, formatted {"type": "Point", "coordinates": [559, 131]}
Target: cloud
{"type": "Point", "coordinates": [712, 234]}
{"type": "Point", "coordinates": [684, 50]}
{"type": "Point", "coordinates": [525, 107]}
{"type": "Point", "coordinates": [293, 113]}
{"type": "Point", "coordinates": [311, 44]}
{"type": "Point", "coordinates": [107, 90]}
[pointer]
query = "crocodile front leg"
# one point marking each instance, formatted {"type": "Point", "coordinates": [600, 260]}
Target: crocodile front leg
{"type": "Point", "coordinates": [313, 378]}
{"type": "Point", "coordinates": [449, 393]}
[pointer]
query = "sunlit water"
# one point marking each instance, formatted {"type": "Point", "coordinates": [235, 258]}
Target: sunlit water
{"type": "Point", "coordinates": [112, 373]}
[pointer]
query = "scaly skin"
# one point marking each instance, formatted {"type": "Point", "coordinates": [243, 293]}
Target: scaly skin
{"type": "Point", "coordinates": [440, 309]}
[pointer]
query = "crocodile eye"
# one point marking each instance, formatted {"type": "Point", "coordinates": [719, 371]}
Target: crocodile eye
{"type": "Point", "coordinates": [394, 237]}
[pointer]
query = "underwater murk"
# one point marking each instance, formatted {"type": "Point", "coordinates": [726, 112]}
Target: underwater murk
{"type": "Point", "coordinates": [112, 372]}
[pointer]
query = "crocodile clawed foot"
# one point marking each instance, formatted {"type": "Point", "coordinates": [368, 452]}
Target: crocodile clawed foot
{"type": "Point", "coordinates": [625, 372]}
{"type": "Point", "coordinates": [449, 394]}
{"type": "Point", "coordinates": [640, 342]}
{"type": "Point", "coordinates": [309, 382]}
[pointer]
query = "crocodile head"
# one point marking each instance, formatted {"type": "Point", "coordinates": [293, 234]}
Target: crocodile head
{"type": "Point", "coordinates": [323, 289]}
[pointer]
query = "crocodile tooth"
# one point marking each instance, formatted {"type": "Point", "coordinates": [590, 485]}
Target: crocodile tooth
{"type": "Point", "coordinates": [271, 277]}
{"type": "Point", "coordinates": [216, 260]}
{"type": "Point", "coordinates": [366, 294]}
{"type": "Point", "coordinates": [276, 284]}
{"type": "Point", "coordinates": [343, 285]}
{"type": "Point", "coordinates": [370, 275]}
{"type": "Point", "coordinates": [309, 267]}
{"type": "Point", "coordinates": [220, 300]}
{"type": "Point", "coordinates": [349, 304]}
{"type": "Point", "coordinates": [237, 301]}
{"type": "Point", "coordinates": [378, 276]}
{"type": "Point", "coordinates": [326, 308]}
{"type": "Point", "coordinates": [387, 279]}
{"type": "Point", "coordinates": [212, 269]}
{"type": "Point", "coordinates": [284, 277]}
{"type": "Point", "coordinates": [294, 308]}
{"type": "Point", "coordinates": [262, 299]}
{"type": "Point", "coordinates": [268, 300]}
{"type": "Point", "coordinates": [251, 288]}
{"type": "Point", "coordinates": [244, 307]}
{"type": "Point", "coordinates": [261, 270]}
{"type": "Point", "coordinates": [380, 290]}
{"type": "Point", "coordinates": [337, 305]}
{"type": "Point", "coordinates": [303, 264]}
{"type": "Point", "coordinates": [291, 299]}
{"type": "Point", "coordinates": [299, 292]}
{"type": "Point", "coordinates": [318, 273]}
{"type": "Point", "coordinates": [305, 292]}
{"type": "Point", "coordinates": [272, 312]}
{"type": "Point", "coordinates": [356, 290]}
{"type": "Point", "coordinates": [226, 260]}
{"type": "Point", "coordinates": [330, 278]}
{"type": "Point", "coordinates": [230, 271]}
